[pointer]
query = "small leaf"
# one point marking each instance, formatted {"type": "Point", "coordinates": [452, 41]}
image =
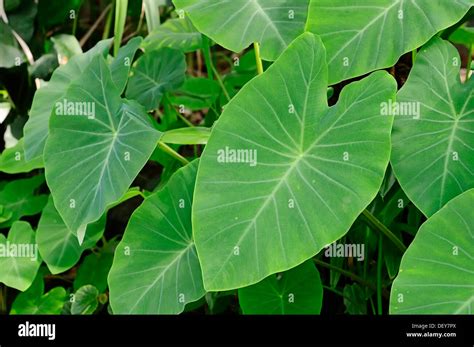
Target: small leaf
{"type": "Point", "coordinates": [155, 73]}
{"type": "Point", "coordinates": [19, 257]}
{"type": "Point", "coordinates": [196, 94]}
{"type": "Point", "coordinates": [355, 299]}
{"type": "Point", "coordinates": [18, 197]}
{"type": "Point", "coordinates": [85, 300]}
{"type": "Point", "coordinates": [463, 36]}
{"type": "Point", "coordinates": [66, 47]}
{"type": "Point", "coordinates": [437, 269]}
{"type": "Point", "coordinates": [33, 301]}
{"type": "Point", "coordinates": [296, 291]}
{"type": "Point", "coordinates": [11, 53]}
{"type": "Point", "coordinates": [156, 269]}
{"type": "Point", "coordinates": [94, 270]}
{"type": "Point", "coordinates": [13, 160]}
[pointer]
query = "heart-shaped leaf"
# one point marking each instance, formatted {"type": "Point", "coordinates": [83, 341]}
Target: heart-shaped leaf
{"type": "Point", "coordinates": [235, 24]}
{"type": "Point", "coordinates": [36, 129]}
{"type": "Point", "coordinates": [437, 271]}
{"type": "Point", "coordinates": [58, 246]}
{"type": "Point", "coordinates": [433, 140]}
{"type": "Point", "coordinates": [365, 35]}
{"type": "Point", "coordinates": [295, 172]}
{"type": "Point", "coordinates": [155, 73]}
{"type": "Point", "coordinates": [95, 269]}
{"type": "Point", "coordinates": [85, 300]}
{"type": "Point", "coordinates": [18, 198]}
{"type": "Point", "coordinates": [34, 301]}
{"type": "Point", "coordinates": [296, 291]}
{"type": "Point", "coordinates": [19, 257]}
{"type": "Point", "coordinates": [156, 269]}
{"type": "Point", "coordinates": [98, 143]}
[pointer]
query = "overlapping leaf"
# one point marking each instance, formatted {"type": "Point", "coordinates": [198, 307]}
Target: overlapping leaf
{"type": "Point", "coordinates": [364, 35]}
{"type": "Point", "coordinates": [59, 247]}
{"type": "Point", "coordinates": [177, 33]}
{"type": "Point", "coordinates": [97, 153]}
{"type": "Point", "coordinates": [156, 269]}
{"type": "Point", "coordinates": [437, 271]}
{"type": "Point", "coordinates": [236, 24]}
{"type": "Point", "coordinates": [296, 291]}
{"type": "Point", "coordinates": [35, 301]}
{"type": "Point", "coordinates": [19, 199]}
{"type": "Point", "coordinates": [13, 160]}
{"type": "Point", "coordinates": [19, 257]}
{"type": "Point", "coordinates": [433, 145]}
{"type": "Point", "coordinates": [300, 174]}
{"type": "Point", "coordinates": [155, 73]}
{"type": "Point", "coordinates": [36, 129]}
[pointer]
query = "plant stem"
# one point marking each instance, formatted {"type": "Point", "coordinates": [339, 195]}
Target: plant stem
{"type": "Point", "coordinates": [413, 56]}
{"type": "Point", "coordinates": [219, 80]}
{"type": "Point", "coordinates": [257, 58]}
{"type": "Point", "coordinates": [346, 273]}
{"type": "Point", "coordinates": [335, 291]}
{"type": "Point", "coordinates": [108, 24]}
{"type": "Point", "coordinates": [152, 14]}
{"type": "Point", "coordinates": [167, 149]}
{"type": "Point", "coordinates": [3, 299]}
{"type": "Point", "coordinates": [379, 276]}
{"type": "Point", "coordinates": [206, 52]}
{"type": "Point", "coordinates": [119, 25]}
{"type": "Point", "coordinates": [94, 26]}
{"type": "Point", "coordinates": [74, 23]}
{"type": "Point", "coordinates": [375, 224]}
{"type": "Point", "coordinates": [469, 62]}
{"type": "Point", "coordinates": [178, 114]}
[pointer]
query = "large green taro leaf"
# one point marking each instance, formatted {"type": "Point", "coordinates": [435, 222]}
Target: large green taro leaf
{"type": "Point", "coordinates": [36, 129]}
{"type": "Point", "coordinates": [156, 269]}
{"type": "Point", "coordinates": [58, 246]}
{"type": "Point", "coordinates": [433, 148]}
{"type": "Point", "coordinates": [437, 271]}
{"type": "Point", "coordinates": [296, 291]}
{"type": "Point", "coordinates": [19, 257]}
{"type": "Point", "coordinates": [304, 172]}
{"type": "Point", "coordinates": [155, 73]}
{"type": "Point", "coordinates": [365, 35]}
{"type": "Point", "coordinates": [92, 157]}
{"type": "Point", "coordinates": [235, 24]}
{"type": "Point", "coordinates": [177, 33]}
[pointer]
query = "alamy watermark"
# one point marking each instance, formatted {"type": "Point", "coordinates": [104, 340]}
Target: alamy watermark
{"type": "Point", "coordinates": [401, 108]}
{"type": "Point", "coordinates": [230, 155]}
{"type": "Point", "coordinates": [345, 250]}
{"type": "Point", "coordinates": [75, 108]}
{"type": "Point", "coordinates": [19, 250]}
